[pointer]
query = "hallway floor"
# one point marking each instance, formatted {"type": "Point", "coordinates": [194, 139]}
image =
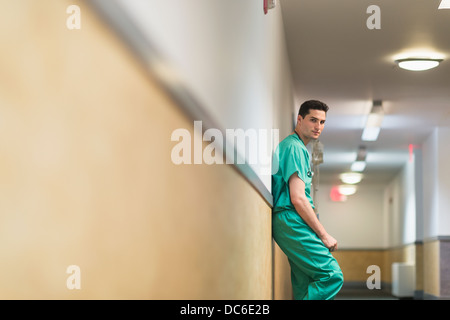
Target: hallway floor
{"type": "Point", "coordinates": [364, 294]}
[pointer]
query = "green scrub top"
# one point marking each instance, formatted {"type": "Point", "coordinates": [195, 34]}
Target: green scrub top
{"type": "Point", "coordinates": [291, 156]}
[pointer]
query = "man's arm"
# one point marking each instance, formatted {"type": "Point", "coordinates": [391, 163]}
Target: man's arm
{"type": "Point", "coordinates": [306, 212]}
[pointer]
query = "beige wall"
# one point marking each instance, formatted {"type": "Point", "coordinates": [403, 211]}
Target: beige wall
{"type": "Point", "coordinates": [427, 258]}
{"type": "Point", "coordinates": [431, 268]}
{"type": "Point", "coordinates": [282, 275]}
{"type": "Point", "coordinates": [419, 267]}
{"type": "Point", "coordinates": [354, 263]}
{"type": "Point", "coordinates": [87, 179]}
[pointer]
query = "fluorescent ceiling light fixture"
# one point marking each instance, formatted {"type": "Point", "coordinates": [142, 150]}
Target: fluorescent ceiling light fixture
{"type": "Point", "coordinates": [347, 190]}
{"type": "Point", "coordinates": [370, 134]}
{"type": "Point", "coordinates": [362, 154]}
{"type": "Point", "coordinates": [445, 4]}
{"type": "Point", "coordinates": [418, 64]}
{"type": "Point", "coordinates": [358, 166]}
{"type": "Point", "coordinates": [351, 177]}
{"type": "Point", "coordinates": [373, 123]}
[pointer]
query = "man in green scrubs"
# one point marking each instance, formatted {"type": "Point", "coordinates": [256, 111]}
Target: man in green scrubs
{"type": "Point", "coordinates": [315, 273]}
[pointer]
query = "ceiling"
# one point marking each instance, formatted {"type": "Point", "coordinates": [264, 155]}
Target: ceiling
{"type": "Point", "coordinates": [335, 58]}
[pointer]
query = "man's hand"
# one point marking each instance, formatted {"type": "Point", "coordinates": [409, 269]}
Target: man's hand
{"type": "Point", "coordinates": [329, 242]}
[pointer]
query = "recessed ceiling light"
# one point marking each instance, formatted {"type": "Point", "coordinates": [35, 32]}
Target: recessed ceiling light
{"type": "Point", "coordinates": [370, 133]}
{"type": "Point", "coordinates": [373, 123]}
{"type": "Point", "coordinates": [347, 190]}
{"type": "Point", "coordinates": [358, 166]}
{"type": "Point", "coordinates": [418, 64]}
{"type": "Point", "coordinates": [351, 177]}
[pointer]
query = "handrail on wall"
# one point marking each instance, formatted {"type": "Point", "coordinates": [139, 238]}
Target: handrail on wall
{"type": "Point", "coordinates": [152, 60]}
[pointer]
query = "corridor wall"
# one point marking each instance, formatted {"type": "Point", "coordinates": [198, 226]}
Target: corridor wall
{"type": "Point", "coordinates": [435, 223]}
{"type": "Point", "coordinates": [402, 221]}
{"type": "Point", "coordinates": [88, 179]}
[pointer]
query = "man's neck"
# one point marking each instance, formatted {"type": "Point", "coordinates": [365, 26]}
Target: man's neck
{"type": "Point", "coordinates": [301, 137]}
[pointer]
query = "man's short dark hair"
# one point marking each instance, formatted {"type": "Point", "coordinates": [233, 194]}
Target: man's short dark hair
{"type": "Point", "coordinates": [311, 104]}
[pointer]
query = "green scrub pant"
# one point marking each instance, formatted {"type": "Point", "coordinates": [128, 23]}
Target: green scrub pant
{"type": "Point", "coordinates": [315, 273]}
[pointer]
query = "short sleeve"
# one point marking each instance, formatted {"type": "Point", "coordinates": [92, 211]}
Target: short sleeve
{"type": "Point", "coordinates": [294, 161]}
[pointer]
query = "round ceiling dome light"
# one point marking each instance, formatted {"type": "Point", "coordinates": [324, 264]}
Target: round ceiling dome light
{"type": "Point", "coordinates": [418, 64]}
{"type": "Point", "coordinates": [347, 190]}
{"type": "Point", "coordinates": [351, 177]}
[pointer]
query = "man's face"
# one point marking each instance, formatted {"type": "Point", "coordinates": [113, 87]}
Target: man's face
{"type": "Point", "coordinates": [312, 125]}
